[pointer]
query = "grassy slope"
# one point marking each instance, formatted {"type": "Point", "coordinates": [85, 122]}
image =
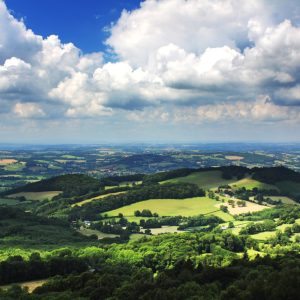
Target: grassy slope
{"type": "Point", "coordinates": [36, 195]}
{"type": "Point", "coordinates": [250, 183]}
{"type": "Point", "coordinates": [205, 180]}
{"type": "Point", "coordinates": [174, 207]}
{"type": "Point", "coordinates": [284, 199]}
{"type": "Point", "coordinates": [96, 198]}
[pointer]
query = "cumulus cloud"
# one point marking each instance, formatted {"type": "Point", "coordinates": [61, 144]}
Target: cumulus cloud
{"type": "Point", "coordinates": [196, 59]}
{"type": "Point", "coordinates": [28, 110]}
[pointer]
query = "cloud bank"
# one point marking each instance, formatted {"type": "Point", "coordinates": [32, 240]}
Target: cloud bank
{"type": "Point", "coordinates": [176, 61]}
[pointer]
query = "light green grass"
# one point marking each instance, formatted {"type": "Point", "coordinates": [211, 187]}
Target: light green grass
{"type": "Point", "coordinates": [263, 236]}
{"type": "Point", "coordinates": [36, 195]}
{"type": "Point", "coordinates": [206, 180]}
{"type": "Point", "coordinates": [165, 229]}
{"type": "Point", "coordinates": [19, 166]}
{"type": "Point", "coordinates": [136, 236]}
{"type": "Point", "coordinates": [100, 235]}
{"type": "Point", "coordinates": [96, 198]}
{"type": "Point", "coordinates": [174, 207]}
{"type": "Point", "coordinates": [250, 183]}
{"type": "Point", "coordinates": [67, 156]}
{"type": "Point", "coordinates": [284, 199]}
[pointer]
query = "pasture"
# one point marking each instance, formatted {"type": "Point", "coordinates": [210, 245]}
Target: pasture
{"type": "Point", "coordinates": [250, 183]}
{"type": "Point", "coordinates": [174, 207]}
{"type": "Point", "coordinates": [164, 229]}
{"type": "Point", "coordinates": [99, 234]}
{"type": "Point", "coordinates": [206, 180]}
{"type": "Point", "coordinates": [234, 157]}
{"type": "Point", "coordinates": [237, 210]}
{"type": "Point", "coordinates": [36, 196]}
{"type": "Point", "coordinates": [96, 198]}
{"type": "Point", "coordinates": [30, 285]}
{"type": "Point", "coordinates": [284, 199]}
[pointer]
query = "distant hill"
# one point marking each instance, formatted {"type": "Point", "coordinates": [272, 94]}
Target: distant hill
{"type": "Point", "coordinates": [70, 185]}
{"type": "Point", "coordinates": [78, 184]}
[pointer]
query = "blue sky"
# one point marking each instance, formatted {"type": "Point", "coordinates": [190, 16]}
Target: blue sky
{"type": "Point", "coordinates": [81, 22]}
{"type": "Point", "coordinates": [163, 70]}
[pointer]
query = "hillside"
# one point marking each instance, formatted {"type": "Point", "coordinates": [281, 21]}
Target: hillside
{"type": "Point", "coordinates": [69, 185]}
{"type": "Point", "coordinates": [181, 225]}
{"type": "Point", "coordinates": [31, 231]}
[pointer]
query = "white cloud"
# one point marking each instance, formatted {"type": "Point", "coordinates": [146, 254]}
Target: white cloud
{"type": "Point", "coordinates": [28, 110]}
{"type": "Point", "coordinates": [174, 56]}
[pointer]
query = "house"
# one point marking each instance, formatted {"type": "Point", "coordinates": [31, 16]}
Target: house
{"type": "Point", "coordinates": [87, 223]}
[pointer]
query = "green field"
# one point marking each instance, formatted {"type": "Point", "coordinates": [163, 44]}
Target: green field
{"type": "Point", "coordinates": [8, 201]}
{"type": "Point", "coordinates": [96, 198]}
{"type": "Point", "coordinates": [174, 207]}
{"type": "Point", "coordinates": [36, 195]}
{"type": "Point", "coordinates": [206, 180]}
{"type": "Point", "coordinates": [100, 235]}
{"type": "Point", "coordinates": [263, 236]}
{"type": "Point", "coordinates": [19, 166]}
{"type": "Point", "coordinates": [250, 183]}
{"type": "Point", "coordinates": [284, 199]}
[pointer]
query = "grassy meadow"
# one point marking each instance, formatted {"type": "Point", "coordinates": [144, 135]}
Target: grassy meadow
{"type": "Point", "coordinates": [174, 207]}
{"type": "Point", "coordinates": [96, 198]}
{"type": "Point", "coordinates": [36, 195]}
{"type": "Point", "coordinates": [206, 180]}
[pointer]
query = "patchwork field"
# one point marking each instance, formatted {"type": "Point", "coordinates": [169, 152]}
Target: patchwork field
{"type": "Point", "coordinates": [7, 161]}
{"type": "Point", "coordinates": [96, 198]}
{"type": "Point", "coordinates": [36, 195]}
{"type": "Point", "coordinates": [206, 180]}
{"type": "Point", "coordinates": [174, 207]}
{"type": "Point", "coordinates": [234, 157]}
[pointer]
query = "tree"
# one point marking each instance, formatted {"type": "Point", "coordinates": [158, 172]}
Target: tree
{"type": "Point", "coordinates": [224, 208]}
{"type": "Point", "coordinates": [137, 213]}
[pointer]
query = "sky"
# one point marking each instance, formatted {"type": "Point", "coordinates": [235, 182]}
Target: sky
{"type": "Point", "coordinates": [149, 71]}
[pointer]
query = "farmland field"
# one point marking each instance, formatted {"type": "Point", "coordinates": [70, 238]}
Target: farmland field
{"type": "Point", "coordinates": [100, 235]}
{"type": "Point", "coordinates": [250, 183]}
{"type": "Point", "coordinates": [250, 207]}
{"type": "Point", "coordinates": [205, 180]}
{"type": "Point", "coordinates": [36, 195]}
{"type": "Point", "coordinates": [263, 236]}
{"type": "Point", "coordinates": [7, 161]}
{"type": "Point", "coordinates": [31, 285]}
{"type": "Point", "coordinates": [234, 157]}
{"type": "Point", "coordinates": [284, 199]}
{"type": "Point", "coordinates": [96, 198]}
{"type": "Point", "coordinates": [175, 207]}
